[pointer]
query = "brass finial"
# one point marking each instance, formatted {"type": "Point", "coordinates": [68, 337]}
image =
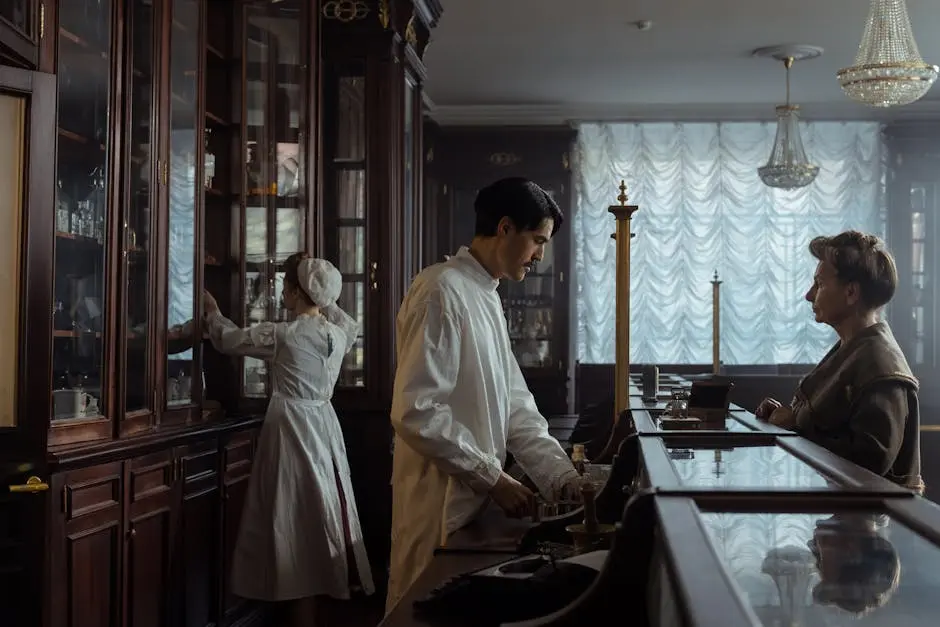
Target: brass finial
{"type": "Point", "coordinates": [622, 198]}
{"type": "Point", "coordinates": [716, 276]}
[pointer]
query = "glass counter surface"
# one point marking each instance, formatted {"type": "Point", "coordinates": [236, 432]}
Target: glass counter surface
{"type": "Point", "coordinates": [729, 424]}
{"type": "Point", "coordinates": [730, 467]}
{"type": "Point", "coordinates": [829, 570]}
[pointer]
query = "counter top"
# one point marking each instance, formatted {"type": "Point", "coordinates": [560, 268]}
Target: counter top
{"type": "Point", "coordinates": [492, 538]}
{"type": "Point", "coordinates": [443, 567]}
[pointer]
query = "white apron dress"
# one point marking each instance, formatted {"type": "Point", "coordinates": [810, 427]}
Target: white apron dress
{"type": "Point", "coordinates": [292, 542]}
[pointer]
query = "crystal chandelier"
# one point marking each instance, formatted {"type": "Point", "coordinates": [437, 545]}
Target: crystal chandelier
{"type": "Point", "coordinates": [788, 167]}
{"type": "Point", "coordinates": [888, 70]}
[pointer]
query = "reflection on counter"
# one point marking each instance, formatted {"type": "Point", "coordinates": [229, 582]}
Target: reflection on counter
{"type": "Point", "coordinates": [829, 569]}
{"type": "Point", "coordinates": [744, 467]}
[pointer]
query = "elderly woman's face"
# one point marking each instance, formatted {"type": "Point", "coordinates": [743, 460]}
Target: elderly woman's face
{"type": "Point", "coordinates": [833, 301]}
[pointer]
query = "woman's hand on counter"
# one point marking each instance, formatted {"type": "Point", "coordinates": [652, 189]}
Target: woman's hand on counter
{"type": "Point", "coordinates": [766, 408]}
{"type": "Point", "coordinates": [783, 417]}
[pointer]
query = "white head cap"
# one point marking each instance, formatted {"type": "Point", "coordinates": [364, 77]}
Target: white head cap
{"type": "Point", "coordinates": [321, 281]}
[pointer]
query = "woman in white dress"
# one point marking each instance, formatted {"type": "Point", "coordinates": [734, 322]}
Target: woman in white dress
{"type": "Point", "coordinates": [300, 536]}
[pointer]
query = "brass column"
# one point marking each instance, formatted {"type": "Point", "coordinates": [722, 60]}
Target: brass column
{"type": "Point", "coordinates": [716, 325]}
{"type": "Point", "coordinates": [623, 213]}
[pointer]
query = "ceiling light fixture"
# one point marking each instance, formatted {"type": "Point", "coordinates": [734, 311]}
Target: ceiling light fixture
{"type": "Point", "coordinates": [888, 70]}
{"type": "Point", "coordinates": [788, 167]}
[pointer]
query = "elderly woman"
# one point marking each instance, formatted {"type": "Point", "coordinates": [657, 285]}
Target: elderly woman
{"type": "Point", "coordinates": [860, 401]}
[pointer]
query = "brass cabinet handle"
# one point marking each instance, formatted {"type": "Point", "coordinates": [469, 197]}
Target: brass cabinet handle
{"type": "Point", "coordinates": [33, 484]}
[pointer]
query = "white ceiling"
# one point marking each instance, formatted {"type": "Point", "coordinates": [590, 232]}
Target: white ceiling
{"type": "Point", "coordinates": [549, 61]}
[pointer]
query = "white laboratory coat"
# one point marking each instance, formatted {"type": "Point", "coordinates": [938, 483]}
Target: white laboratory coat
{"type": "Point", "coordinates": [459, 403]}
{"type": "Point", "coordinates": [292, 542]}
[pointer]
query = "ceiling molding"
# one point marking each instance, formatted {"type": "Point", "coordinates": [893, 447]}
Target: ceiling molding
{"type": "Point", "coordinates": [519, 115]}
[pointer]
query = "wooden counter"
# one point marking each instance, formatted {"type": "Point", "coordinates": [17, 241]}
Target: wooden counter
{"type": "Point", "coordinates": [743, 470]}
{"type": "Point", "coordinates": [489, 540]}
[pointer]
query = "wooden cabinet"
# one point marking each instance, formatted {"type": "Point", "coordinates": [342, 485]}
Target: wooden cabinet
{"type": "Point", "coordinates": [913, 229]}
{"type": "Point", "coordinates": [539, 309]}
{"type": "Point", "coordinates": [372, 77]}
{"type": "Point", "coordinates": [24, 25]}
{"type": "Point", "coordinates": [147, 541]}
{"type": "Point", "coordinates": [260, 170]}
{"type": "Point", "coordinates": [157, 148]}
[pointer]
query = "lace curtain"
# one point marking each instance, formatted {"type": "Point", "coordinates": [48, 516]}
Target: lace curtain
{"type": "Point", "coordinates": [703, 208]}
{"type": "Point", "coordinates": [181, 260]}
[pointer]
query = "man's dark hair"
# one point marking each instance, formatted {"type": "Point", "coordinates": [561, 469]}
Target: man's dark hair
{"type": "Point", "coordinates": [860, 258]}
{"type": "Point", "coordinates": [519, 199]}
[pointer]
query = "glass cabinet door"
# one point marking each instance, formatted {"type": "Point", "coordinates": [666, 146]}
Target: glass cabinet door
{"type": "Point", "coordinates": [20, 31]}
{"type": "Point", "coordinates": [412, 223]}
{"type": "Point", "coordinates": [529, 306]}
{"type": "Point", "coordinates": [144, 175]}
{"type": "Point", "coordinates": [345, 194]}
{"type": "Point", "coordinates": [274, 190]}
{"type": "Point", "coordinates": [182, 197]}
{"type": "Point", "coordinates": [21, 15]}
{"type": "Point", "coordinates": [81, 212]}
{"type": "Point", "coordinates": [924, 205]}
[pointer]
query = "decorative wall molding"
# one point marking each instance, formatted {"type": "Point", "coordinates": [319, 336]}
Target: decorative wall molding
{"type": "Point", "coordinates": [497, 115]}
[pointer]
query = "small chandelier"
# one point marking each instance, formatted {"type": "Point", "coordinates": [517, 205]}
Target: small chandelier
{"type": "Point", "coordinates": [888, 70]}
{"type": "Point", "coordinates": [788, 167]}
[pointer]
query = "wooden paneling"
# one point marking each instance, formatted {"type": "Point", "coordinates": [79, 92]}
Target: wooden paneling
{"type": "Point", "coordinates": [198, 542]}
{"type": "Point", "coordinates": [139, 542]}
{"type": "Point", "coordinates": [86, 545]}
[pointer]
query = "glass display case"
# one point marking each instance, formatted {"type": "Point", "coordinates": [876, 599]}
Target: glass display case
{"type": "Point", "coordinates": [686, 461]}
{"type": "Point", "coordinates": [272, 208]}
{"type": "Point", "coordinates": [913, 230]}
{"type": "Point", "coordinates": [183, 379]}
{"type": "Point", "coordinates": [650, 423]}
{"type": "Point", "coordinates": [253, 174]}
{"type": "Point", "coordinates": [143, 178]}
{"type": "Point", "coordinates": [808, 561]}
{"type": "Point", "coordinates": [345, 189]}
{"type": "Point", "coordinates": [84, 212]}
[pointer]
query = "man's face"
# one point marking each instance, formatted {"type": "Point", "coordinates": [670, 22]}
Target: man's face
{"type": "Point", "coordinates": [833, 301]}
{"type": "Point", "coordinates": [520, 249]}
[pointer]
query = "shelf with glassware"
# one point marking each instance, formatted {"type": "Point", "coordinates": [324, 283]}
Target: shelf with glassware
{"type": "Point", "coordinates": [256, 197]}
{"type": "Point", "coordinates": [126, 219]}
{"type": "Point", "coordinates": [372, 183]}
{"type": "Point", "coordinates": [537, 309]}
{"type": "Point", "coordinates": [84, 175]}
{"type": "Point", "coordinates": [345, 191]}
{"type": "Point", "coordinates": [913, 226]}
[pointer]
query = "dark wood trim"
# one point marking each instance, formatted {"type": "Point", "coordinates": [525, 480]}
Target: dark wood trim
{"type": "Point", "coordinates": [703, 582]}
{"type": "Point", "coordinates": [17, 47]}
{"type": "Point", "coordinates": [63, 459]}
{"type": "Point", "coordinates": [34, 376]}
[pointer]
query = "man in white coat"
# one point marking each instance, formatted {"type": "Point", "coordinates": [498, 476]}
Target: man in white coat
{"type": "Point", "coordinates": [460, 401]}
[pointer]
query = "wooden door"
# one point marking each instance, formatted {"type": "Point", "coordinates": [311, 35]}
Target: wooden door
{"type": "Point", "coordinates": [198, 555]}
{"type": "Point", "coordinates": [27, 132]}
{"type": "Point", "coordinates": [152, 508]}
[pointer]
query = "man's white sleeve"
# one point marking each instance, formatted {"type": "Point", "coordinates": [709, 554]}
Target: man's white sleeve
{"type": "Point", "coordinates": [537, 452]}
{"type": "Point", "coordinates": [428, 362]}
